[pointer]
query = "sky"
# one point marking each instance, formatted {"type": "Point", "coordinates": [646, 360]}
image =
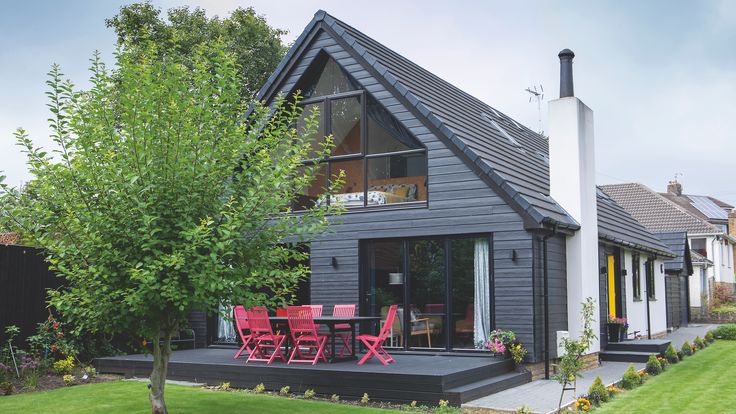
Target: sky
{"type": "Point", "coordinates": [659, 75]}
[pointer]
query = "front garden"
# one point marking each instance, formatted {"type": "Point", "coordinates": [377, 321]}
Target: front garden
{"type": "Point", "coordinates": [690, 378]}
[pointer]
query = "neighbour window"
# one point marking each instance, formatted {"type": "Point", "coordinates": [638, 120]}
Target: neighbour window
{"type": "Point", "coordinates": [636, 276]}
{"type": "Point", "coordinates": [650, 279]}
{"type": "Point", "coordinates": [699, 246]}
{"type": "Point", "coordinates": [383, 163]}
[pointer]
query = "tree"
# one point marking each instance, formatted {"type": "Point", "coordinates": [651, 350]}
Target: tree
{"type": "Point", "coordinates": [571, 363]}
{"type": "Point", "coordinates": [256, 45]}
{"type": "Point", "coordinates": [161, 200]}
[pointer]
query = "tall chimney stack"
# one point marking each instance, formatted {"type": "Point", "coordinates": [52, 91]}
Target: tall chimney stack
{"type": "Point", "coordinates": [566, 85]}
{"type": "Point", "coordinates": [674, 187]}
{"type": "Point", "coordinates": [572, 185]}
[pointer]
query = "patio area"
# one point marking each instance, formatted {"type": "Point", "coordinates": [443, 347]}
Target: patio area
{"type": "Point", "coordinates": [422, 378]}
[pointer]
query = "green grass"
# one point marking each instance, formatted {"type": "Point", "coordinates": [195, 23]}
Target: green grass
{"type": "Point", "coordinates": [702, 383]}
{"type": "Point", "coordinates": [132, 397]}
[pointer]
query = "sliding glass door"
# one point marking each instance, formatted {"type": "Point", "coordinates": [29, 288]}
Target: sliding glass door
{"type": "Point", "coordinates": [442, 287]}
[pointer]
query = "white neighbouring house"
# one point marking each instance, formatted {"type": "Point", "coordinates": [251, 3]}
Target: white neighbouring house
{"type": "Point", "coordinates": [711, 245]}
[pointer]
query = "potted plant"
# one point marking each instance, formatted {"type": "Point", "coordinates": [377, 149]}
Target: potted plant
{"type": "Point", "coordinates": [499, 342]}
{"type": "Point", "coordinates": [616, 328]}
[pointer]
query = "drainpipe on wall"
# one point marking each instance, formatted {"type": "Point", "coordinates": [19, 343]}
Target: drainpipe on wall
{"type": "Point", "coordinates": [649, 321]}
{"type": "Point", "coordinates": [545, 277]}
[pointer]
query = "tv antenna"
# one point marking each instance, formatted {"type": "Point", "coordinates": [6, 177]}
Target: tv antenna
{"type": "Point", "coordinates": [538, 95]}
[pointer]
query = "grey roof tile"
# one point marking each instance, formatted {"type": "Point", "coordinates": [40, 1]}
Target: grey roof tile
{"type": "Point", "coordinates": [618, 226]}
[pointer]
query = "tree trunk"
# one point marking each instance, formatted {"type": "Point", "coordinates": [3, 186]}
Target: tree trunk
{"type": "Point", "coordinates": [161, 354]}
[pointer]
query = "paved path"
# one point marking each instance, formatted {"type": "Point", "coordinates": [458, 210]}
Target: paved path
{"type": "Point", "coordinates": [542, 396]}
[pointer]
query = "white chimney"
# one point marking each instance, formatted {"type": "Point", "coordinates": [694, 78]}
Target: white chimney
{"type": "Point", "coordinates": [572, 185]}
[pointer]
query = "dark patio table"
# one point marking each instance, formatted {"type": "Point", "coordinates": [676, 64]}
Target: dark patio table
{"type": "Point", "coordinates": [331, 321]}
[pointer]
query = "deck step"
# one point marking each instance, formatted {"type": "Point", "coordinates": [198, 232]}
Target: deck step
{"type": "Point", "coordinates": [655, 346]}
{"type": "Point", "coordinates": [625, 356]}
{"type": "Point", "coordinates": [488, 386]}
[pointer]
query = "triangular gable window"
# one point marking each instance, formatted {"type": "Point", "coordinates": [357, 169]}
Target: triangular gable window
{"type": "Point", "coordinates": [332, 79]}
{"type": "Point", "coordinates": [383, 162]}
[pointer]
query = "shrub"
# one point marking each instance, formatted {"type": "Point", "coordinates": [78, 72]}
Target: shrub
{"type": "Point", "coordinates": [69, 379]}
{"type": "Point", "coordinates": [613, 390]}
{"type": "Point", "coordinates": [7, 387]}
{"type": "Point", "coordinates": [64, 366]}
{"type": "Point", "coordinates": [699, 343]}
{"type": "Point", "coordinates": [709, 338]}
{"type": "Point", "coordinates": [524, 409]}
{"type": "Point", "coordinates": [413, 404]}
{"type": "Point", "coordinates": [597, 393]}
{"type": "Point", "coordinates": [631, 378]}
{"type": "Point", "coordinates": [335, 398]}
{"type": "Point", "coordinates": [259, 389]}
{"type": "Point", "coordinates": [653, 365]}
{"type": "Point", "coordinates": [91, 372]}
{"type": "Point", "coordinates": [364, 399]}
{"type": "Point", "coordinates": [284, 390]}
{"type": "Point", "coordinates": [309, 394]}
{"type": "Point", "coordinates": [671, 354]}
{"type": "Point", "coordinates": [225, 386]}
{"type": "Point", "coordinates": [680, 355]}
{"type": "Point", "coordinates": [663, 362]}
{"type": "Point", "coordinates": [726, 331]}
{"type": "Point", "coordinates": [686, 349]}
{"type": "Point", "coordinates": [443, 404]}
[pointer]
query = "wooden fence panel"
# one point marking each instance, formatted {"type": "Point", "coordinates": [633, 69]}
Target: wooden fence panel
{"type": "Point", "coordinates": [24, 278]}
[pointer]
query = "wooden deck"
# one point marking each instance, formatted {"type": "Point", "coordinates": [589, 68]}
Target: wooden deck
{"type": "Point", "coordinates": [423, 378]}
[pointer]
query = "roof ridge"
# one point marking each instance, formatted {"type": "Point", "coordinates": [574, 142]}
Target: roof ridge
{"type": "Point", "coordinates": [677, 206]}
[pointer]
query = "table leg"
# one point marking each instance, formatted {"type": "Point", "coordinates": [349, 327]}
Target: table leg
{"type": "Point", "coordinates": [332, 332]}
{"type": "Point", "coordinates": [352, 348]}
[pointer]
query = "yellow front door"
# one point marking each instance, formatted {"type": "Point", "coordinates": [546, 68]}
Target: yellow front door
{"type": "Point", "coordinates": [611, 286]}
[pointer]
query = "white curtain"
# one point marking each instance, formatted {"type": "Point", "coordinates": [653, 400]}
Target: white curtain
{"type": "Point", "coordinates": [482, 304]}
{"type": "Point", "coordinates": [225, 329]}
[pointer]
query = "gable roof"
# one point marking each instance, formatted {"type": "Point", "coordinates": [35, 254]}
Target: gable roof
{"type": "Point", "coordinates": [699, 259]}
{"type": "Point", "coordinates": [617, 226]}
{"type": "Point", "coordinates": [677, 242]}
{"type": "Point", "coordinates": [511, 158]}
{"type": "Point", "coordinates": [655, 212]}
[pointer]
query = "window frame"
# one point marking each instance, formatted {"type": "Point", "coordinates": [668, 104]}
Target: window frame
{"type": "Point", "coordinates": [636, 276]}
{"type": "Point", "coordinates": [650, 281]}
{"type": "Point", "coordinates": [363, 155]}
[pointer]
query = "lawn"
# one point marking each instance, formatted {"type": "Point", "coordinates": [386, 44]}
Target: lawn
{"type": "Point", "coordinates": [702, 383]}
{"type": "Point", "coordinates": [132, 397]}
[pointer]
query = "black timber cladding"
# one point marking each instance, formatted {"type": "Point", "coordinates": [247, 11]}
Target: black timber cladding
{"type": "Point", "coordinates": [459, 203]}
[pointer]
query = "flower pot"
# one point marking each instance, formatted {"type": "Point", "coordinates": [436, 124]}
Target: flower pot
{"type": "Point", "coordinates": [614, 332]}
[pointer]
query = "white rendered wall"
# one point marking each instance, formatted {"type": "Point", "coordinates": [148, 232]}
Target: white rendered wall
{"type": "Point", "coordinates": [572, 185]}
{"type": "Point", "coordinates": [722, 257]}
{"type": "Point", "coordinates": [697, 284]}
{"type": "Point", "coordinates": [636, 310]}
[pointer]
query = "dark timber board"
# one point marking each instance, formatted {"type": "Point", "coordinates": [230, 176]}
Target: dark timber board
{"type": "Point", "coordinates": [424, 378]}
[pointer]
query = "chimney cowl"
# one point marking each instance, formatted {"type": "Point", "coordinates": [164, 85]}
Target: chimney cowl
{"type": "Point", "coordinates": [566, 83]}
{"type": "Point", "coordinates": [674, 187]}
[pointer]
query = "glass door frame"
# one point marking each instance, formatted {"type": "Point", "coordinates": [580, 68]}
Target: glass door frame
{"type": "Point", "coordinates": [365, 290]}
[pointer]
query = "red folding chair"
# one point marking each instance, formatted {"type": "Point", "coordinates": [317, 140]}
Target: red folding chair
{"type": "Point", "coordinates": [304, 336]}
{"type": "Point", "coordinates": [316, 310]}
{"type": "Point", "coordinates": [343, 330]}
{"type": "Point", "coordinates": [241, 322]}
{"type": "Point", "coordinates": [375, 343]}
{"type": "Point", "coordinates": [266, 344]}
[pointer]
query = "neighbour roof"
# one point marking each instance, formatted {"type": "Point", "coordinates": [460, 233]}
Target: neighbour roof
{"type": "Point", "coordinates": [9, 238]}
{"type": "Point", "coordinates": [654, 211]}
{"type": "Point", "coordinates": [704, 207]}
{"type": "Point", "coordinates": [677, 242]}
{"type": "Point", "coordinates": [619, 227]}
{"type": "Point", "coordinates": [512, 157]}
{"type": "Point", "coordinates": [699, 259]}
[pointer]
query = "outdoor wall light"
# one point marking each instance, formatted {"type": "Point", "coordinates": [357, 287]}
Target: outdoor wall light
{"type": "Point", "coordinates": [603, 270]}
{"type": "Point", "coordinates": [623, 272]}
{"type": "Point", "coordinates": [513, 255]}
{"type": "Point", "coordinates": [334, 262]}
